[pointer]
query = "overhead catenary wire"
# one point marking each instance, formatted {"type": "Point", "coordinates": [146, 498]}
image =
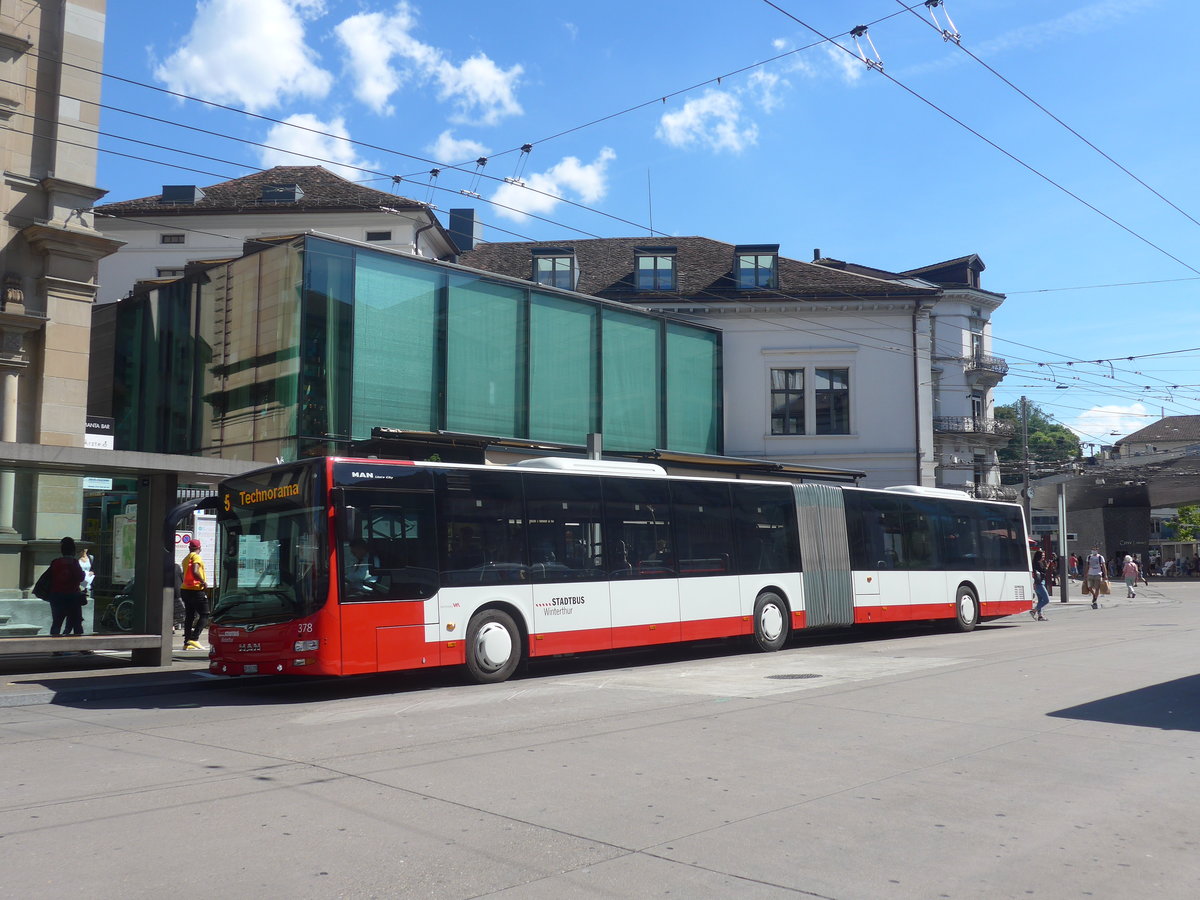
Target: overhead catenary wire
{"type": "Point", "coordinates": [958, 43]}
{"type": "Point", "coordinates": [1012, 156]}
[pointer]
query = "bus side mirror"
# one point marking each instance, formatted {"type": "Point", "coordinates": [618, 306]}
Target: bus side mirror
{"type": "Point", "coordinates": [349, 522]}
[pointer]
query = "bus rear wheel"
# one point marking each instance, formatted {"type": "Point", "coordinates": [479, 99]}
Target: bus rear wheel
{"type": "Point", "coordinates": [966, 608]}
{"type": "Point", "coordinates": [493, 647]}
{"type": "Point", "coordinates": [770, 622]}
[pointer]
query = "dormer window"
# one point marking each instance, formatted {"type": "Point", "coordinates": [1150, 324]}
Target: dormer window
{"type": "Point", "coordinates": [281, 193]}
{"type": "Point", "coordinates": [654, 268]}
{"type": "Point", "coordinates": [756, 266]}
{"type": "Point", "coordinates": [555, 267]}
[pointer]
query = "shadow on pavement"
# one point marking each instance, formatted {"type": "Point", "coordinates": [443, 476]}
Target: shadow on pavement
{"type": "Point", "coordinates": [1172, 706]}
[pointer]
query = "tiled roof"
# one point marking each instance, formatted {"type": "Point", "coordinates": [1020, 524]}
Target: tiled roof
{"type": "Point", "coordinates": [322, 191]}
{"type": "Point", "coordinates": [1171, 429]}
{"type": "Point", "coordinates": [704, 270]}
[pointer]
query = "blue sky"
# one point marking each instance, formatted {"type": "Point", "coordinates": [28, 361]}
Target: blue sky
{"type": "Point", "coordinates": [737, 121]}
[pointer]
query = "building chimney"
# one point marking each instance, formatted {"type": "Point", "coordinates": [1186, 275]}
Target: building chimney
{"type": "Point", "coordinates": [816, 254]}
{"type": "Point", "coordinates": [464, 230]}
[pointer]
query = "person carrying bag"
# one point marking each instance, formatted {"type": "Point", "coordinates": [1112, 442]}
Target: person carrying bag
{"type": "Point", "coordinates": [63, 588]}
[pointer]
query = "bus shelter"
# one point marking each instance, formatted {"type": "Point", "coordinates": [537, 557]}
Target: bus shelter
{"type": "Point", "coordinates": [113, 501]}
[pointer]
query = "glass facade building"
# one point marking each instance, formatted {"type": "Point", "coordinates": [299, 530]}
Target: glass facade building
{"type": "Point", "coordinates": [305, 345]}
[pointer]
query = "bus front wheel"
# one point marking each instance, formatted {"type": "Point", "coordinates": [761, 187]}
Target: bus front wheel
{"type": "Point", "coordinates": [770, 622]}
{"type": "Point", "coordinates": [966, 608]}
{"type": "Point", "coordinates": [493, 646]}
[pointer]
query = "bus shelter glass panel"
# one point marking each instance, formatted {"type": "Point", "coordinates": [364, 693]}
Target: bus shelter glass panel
{"type": "Point", "coordinates": [395, 344]}
{"type": "Point", "coordinates": [562, 369]}
{"type": "Point", "coordinates": [693, 390]}
{"type": "Point", "coordinates": [632, 381]}
{"type": "Point", "coordinates": [485, 358]}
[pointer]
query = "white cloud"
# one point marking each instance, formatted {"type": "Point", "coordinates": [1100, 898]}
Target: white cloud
{"type": "Point", "coordinates": [303, 146]}
{"type": "Point", "coordinates": [384, 56]}
{"type": "Point", "coordinates": [1097, 424]}
{"type": "Point", "coordinates": [587, 183]}
{"type": "Point", "coordinates": [849, 66]}
{"type": "Point", "coordinates": [766, 86]}
{"type": "Point", "coordinates": [449, 150]}
{"type": "Point", "coordinates": [248, 53]}
{"type": "Point", "coordinates": [712, 120]}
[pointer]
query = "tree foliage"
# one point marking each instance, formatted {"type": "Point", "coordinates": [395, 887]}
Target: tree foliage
{"type": "Point", "coordinates": [1186, 524]}
{"type": "Point", "coordinates": [1050, 444]}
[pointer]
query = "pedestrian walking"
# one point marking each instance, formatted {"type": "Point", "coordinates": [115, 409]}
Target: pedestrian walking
{"type": "Point", "coordinates": [1094, 564]}
{"type": "Point", "coordinates": [1039, 586]}
{"type": "Point", "coordinates": [66, 591]}
{"type": "Point", "coordinates": [195, 597]}
{"type": "Point", "coordinates": [1130, 572]}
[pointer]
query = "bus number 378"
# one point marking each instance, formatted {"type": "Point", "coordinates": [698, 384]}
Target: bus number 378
{"type": "Point", "coordinates": [337, 566]}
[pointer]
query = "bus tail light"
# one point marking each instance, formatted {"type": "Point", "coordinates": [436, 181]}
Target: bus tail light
{"type": "Point", "coordinates": [304, 646]}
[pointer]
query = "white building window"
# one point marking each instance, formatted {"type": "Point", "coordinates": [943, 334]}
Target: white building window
{"type": "Point", "coordinates": [787, 401]}
{"type": "Point", "coordinates": [171, 238]}
{"type": "Point", "coordinates": [379, 235]}
{"type": "Point", "coordinates": [820, 396]}
{"type": "Point", "coordinates": [170, 273]}
{"type": "Point", "coordinates": [833, 401]}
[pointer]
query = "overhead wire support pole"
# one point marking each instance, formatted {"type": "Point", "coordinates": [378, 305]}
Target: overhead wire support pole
{"type": "Point", "coordinates": [1025, 463]}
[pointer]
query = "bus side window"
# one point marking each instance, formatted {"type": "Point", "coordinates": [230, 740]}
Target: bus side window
{"type": "Point", "coordinates": [703, 524]}
{"type": "Point", "coordinates": [563, 516]}
{"type": "Point", "coordinates": [393, 555]}
{"type": "Point", "coordinates": [637, 521]}
{"type": "Point", "coordinates": [765, 534]}
{"type": "Point", "coordinates": [482, 527]}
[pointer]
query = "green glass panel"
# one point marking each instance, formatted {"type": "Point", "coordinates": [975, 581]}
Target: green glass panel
{"type": "Point", "coordinates": [632, 381]}
{"type": "Point", "coordinates": [395, 343]}
{"type": "Point", "coordinates": [326, 343]}
{"type": "Point", "coordinates": [693, 390]}
{"type": "Point", "coordinates": [562, 369]}
{"type": "Point", "coordinates": [485, 358]}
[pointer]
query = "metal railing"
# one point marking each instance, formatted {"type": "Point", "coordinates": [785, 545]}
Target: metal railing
{"type": "Point", "coordinates": [973, 425]}
{"type": "Point", "coordinates": [992, 491]}
{"type": "Point", "coordinates": [982, 363]}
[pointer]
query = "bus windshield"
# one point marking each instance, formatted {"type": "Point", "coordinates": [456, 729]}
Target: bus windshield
{"type": "Point", "coordinates": [272, 566]}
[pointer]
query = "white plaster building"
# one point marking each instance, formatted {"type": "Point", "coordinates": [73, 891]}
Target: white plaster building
{"type": "Point", "coordinates": [825, 363]}
{"type": "Point", "coordinates": [185, 223]}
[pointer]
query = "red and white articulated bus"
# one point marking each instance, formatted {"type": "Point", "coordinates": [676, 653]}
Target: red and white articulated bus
{"type": "Point", "coordinates": [339, 566]}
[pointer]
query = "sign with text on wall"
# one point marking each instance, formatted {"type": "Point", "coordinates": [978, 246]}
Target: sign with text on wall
{"type": "Point", "coordinates": [98, 433]}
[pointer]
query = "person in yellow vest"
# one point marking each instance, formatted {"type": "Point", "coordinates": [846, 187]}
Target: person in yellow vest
{"type": "Point", "coordinates": [195, 597]}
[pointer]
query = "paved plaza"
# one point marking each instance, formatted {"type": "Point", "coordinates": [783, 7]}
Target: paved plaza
{"type": "Point", "coordinates": [1053, 759]}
